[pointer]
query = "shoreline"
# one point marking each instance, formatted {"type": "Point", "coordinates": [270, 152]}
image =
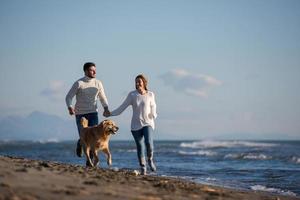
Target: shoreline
{"type": "Point", "coordinates": [22, 178]}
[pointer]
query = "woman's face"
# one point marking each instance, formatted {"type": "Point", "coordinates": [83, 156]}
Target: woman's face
{"type": "Point", "coordinates": [139, 84]}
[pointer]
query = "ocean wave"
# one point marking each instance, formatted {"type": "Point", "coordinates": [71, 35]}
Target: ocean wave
{"type": "Point", "coordinates": [131, 150]}
{"type": "Point", "coordinates": [272, 190]}
{"type": "Point", "coordinates": [249, 156]}
{"type": "Point", "coordinates": [50, 140]}
{"type": "Point", "coordinates": [28, 142]}
{"type": "Point", "coordinates": [257, 157]}
{"type": "Point", "coordinates": [296, 159]}
{"type": "Point", "coordinates": [128, 150]}
{"type": "Point", "coordinates": [210, 179]}
{"type": "Point", "coordinates": [233, 156]}
{"type": "Point", "coordinates": [199, 153]}
{"type": "Point", "coordinates": [224, 144]}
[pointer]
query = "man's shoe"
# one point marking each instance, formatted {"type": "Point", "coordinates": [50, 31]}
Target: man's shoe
{"type": "Point", "coordinates": [79, 149]}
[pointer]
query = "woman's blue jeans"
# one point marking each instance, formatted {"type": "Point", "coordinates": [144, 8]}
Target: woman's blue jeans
{"type": "Point", "coordinates": [142, 138]}
{"type": "Point", "coordinates": [91, 117]}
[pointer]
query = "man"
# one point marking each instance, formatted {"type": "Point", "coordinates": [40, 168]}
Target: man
{"type": "Point", "coordinates": [87, 90]}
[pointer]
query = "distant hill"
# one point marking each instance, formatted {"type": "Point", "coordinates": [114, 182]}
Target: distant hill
{"type": "Point", "coordinates": [37, 126]}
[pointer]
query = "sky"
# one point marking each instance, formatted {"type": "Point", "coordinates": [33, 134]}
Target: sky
{"type": "Point", "coordinates": [219, 68]}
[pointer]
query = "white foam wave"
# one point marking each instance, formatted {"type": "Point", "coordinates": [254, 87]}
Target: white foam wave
{"type": "Point", "coordinates": [256, 157]}
{"type": "Point", "coordinates": [249, 156]}
{"type": "Point", "coordinates": [128, 150]}
{"type": "Point", "coordinates": [233, 156]}
{"type": "Point", "coordinates": [200, 153]}
{"type": "Point", "coordinates": [273, 190]}
{"type": "Point", "coordinates": [210, 179]}
{"type": "Point", "coordinates": [224, 144]}
{"type": "Point", "coordinates": [50, 140]}
{"type": "Point", "coordinates": [131, 150]}
{"type": "Point", "coordinates": [296, 160]}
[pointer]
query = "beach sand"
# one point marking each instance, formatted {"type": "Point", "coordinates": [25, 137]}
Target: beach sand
{"type": "Point", "coordinates": [31, 179]}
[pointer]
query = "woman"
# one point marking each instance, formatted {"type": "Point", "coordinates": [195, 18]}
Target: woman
{"type": "Point", "coordinates": [142, 123]}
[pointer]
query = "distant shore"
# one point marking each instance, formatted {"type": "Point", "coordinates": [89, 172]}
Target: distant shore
{"type": "Point", "coordinates": [22, 178]}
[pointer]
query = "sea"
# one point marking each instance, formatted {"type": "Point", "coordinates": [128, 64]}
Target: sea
{"type": "Point", "coordinates": [269, 166]}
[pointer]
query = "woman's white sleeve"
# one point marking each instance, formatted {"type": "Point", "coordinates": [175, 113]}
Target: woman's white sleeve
{"type": "Point", "coordinates": [153, 107]}
{"type": "Point", "coordinates": [122, 107]}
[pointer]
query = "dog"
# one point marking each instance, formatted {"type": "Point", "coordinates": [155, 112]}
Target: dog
{"type": "Point", "coordinates": [96, 138]}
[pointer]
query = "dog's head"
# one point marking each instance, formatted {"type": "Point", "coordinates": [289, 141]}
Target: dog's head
{"type": "Point", "coordinates": [110, 126]}
{"type": "Point", "coordinates": [84, 122]}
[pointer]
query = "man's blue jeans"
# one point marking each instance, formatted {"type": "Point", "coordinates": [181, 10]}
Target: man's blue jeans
{"type": "Point", "coordinates": [91, 117]}
{"type": "Point", "coordinates": [92, 121]}
{"type": "Point", "coordinates": [142, 138]}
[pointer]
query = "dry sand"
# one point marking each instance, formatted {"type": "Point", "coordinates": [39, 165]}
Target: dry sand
{"type": "Point", "coordinates": [31, 179]}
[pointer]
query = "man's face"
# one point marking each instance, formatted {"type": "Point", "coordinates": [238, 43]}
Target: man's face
{"type": "Point", "coordinates": [91, 72]}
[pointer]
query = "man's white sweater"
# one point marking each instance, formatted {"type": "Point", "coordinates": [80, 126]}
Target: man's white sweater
{"type": "Point", "coordinates": [87, 91]}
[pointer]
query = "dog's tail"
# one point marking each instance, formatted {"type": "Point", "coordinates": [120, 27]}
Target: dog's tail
{"type": "Point", "coordinates": [84, 122]}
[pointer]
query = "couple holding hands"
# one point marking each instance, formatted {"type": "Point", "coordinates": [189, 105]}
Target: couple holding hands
{"type": "Point", "coordinates": [88, 89]}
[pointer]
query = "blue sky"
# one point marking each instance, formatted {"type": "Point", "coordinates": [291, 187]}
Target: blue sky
{"type": "Point", "coordinates": [219, 69]}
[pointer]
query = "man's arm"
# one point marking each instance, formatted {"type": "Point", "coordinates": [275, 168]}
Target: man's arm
{"type": "Point", "coordinates": [102, 96]}
{"type": "Point", "coordinates": [71, 110]}
{"type": "Point", "coordinates": [72, 92]}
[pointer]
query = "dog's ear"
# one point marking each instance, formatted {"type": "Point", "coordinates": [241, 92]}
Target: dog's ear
{"type": "Point", "coordinates": [105, 121]}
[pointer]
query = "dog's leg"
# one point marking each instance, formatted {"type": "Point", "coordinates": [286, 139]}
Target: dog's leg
{"type": "Point", "coordinates": [108, 156]}
{"type": "Point", "coordinates": [96, 159]}
{"type": "Point", "coordinates": [88, 158]}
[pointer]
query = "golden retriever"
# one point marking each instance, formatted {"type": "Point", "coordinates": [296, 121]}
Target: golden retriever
{"type": "Point", "coordinates": [96, 138]}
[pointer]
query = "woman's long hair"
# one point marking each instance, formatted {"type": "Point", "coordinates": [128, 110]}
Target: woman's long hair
{"type": "Point", "coordinates": [144, 79]}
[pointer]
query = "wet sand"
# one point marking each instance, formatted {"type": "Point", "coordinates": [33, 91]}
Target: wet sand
{"type": "Point", "coordinates": [31, 179]}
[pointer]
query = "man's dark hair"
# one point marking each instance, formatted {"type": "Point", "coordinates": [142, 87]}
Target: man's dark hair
{"type": "Point", "coordinates": [87, 65]}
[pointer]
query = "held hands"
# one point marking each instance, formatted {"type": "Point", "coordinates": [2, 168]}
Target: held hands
{"type": "Point", "coordinates": [106, 112]}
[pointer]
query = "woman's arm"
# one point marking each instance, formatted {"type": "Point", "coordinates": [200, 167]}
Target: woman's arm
{"type": "Point", "coordinates": [153, 107]}
{"type": "Point", "coordinates": [122, 107]}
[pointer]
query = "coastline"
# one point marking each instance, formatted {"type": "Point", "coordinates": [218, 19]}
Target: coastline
{"type": "Point", "coordinates": [22, 178]}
